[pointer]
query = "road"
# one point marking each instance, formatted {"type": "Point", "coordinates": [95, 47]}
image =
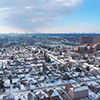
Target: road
{"type": "Point", "coordinates": [51, 87]}
{"type": "Point", "coordinates": [61, 62]}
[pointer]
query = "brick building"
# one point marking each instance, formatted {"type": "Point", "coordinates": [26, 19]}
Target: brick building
{"type": "Point", "coordinates": [76, 92]}
{"type": "Point", "coordinates": [86, 40]}
{"type": "Point", "coordinates": [96, 40]}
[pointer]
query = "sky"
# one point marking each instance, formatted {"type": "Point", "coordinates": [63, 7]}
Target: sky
{"type": "Point", "coordinates": [49, 16]}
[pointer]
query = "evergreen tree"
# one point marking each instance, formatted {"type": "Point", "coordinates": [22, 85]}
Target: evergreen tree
{"type": "Point", "coordinates": [60, 52]}
{"type": "Point", "coordinates": [87, 68]}
{"type": "Point", "coordinates": [46, 58]}
{"type": "Point", "coordinates": [2, 85]}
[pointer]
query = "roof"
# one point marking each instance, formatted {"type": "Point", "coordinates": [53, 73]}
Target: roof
{"type": "Point", "coordinates": [79, 89]}
{"type": "Point", "coordinates": [52, 93]}
{"type": "Point", "coordinates": [76, 87]}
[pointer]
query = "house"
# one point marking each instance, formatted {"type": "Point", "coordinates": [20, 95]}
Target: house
{"type": "Point", "coordinates": [53, 94]}
{"type": "Point", "coordinates": [88, 73]}
{"type": "Point", "coordinates": [41, 95]}
{"type": "Point", "coordinates": [60, 57]}
{"type": "Point", "coordinates": [77, 92]}
{"type": "Point", "coordinates": [45, 69]}
{"type": "Point", "coordinates": [61, 68]}
{"type": "Point", "coordinates": [21, 97]}
{"type": "Point", "coordinates": [56, 76]}
{"type": "Point", "coordinates": [1, 74]}
{"type": "Point", "coordinates": [8, 97]}
{"type": "Point", "coordinates": [98, 53]}
{"type": "Point", "coordinates": [33, 82]}
{"type": "Point", "coordinates": [75, 74]}
{"type": "Point", "coordinates": [22, 80]}
{"type": "Point", "coordinates": [19, 71]}
{"type": "Point", "coordinates": [7, 83]}
{"type": "Point", "coordinates": [31, 96]}
{"type": "Point", "coordinates": [66, 76]}
{"type": "Point", "coordinates": [95, 87]}
{"type": "Point", "coordinates": [55, 53]}
{"type": "Point", "coordinates": [26, 71]}
{"type": "Point", "coordinates": [30, 59]}
{"type": "Point", "coordinates": [46, 79]}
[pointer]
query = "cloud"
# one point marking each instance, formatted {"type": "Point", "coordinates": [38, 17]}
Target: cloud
{"type": "Point", "coordinates": [73, 26]}
{"type": "Point", "coordinates": [34, 14]}
{"type": "Point", "coordinates": [91, 24]}
{"type": "Point", "coordinates": [82, 23]}
{"type": "Point", "coordinates": [7, 29]}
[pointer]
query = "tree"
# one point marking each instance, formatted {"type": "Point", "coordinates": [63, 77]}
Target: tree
{"type": "Point", "coordinates": [2, 85]}
{"type": "Point", "coordinates": [78, 69]}
{"type": "Point", "coordinates": [49, 48]}
{"type": "Point", "coordinates": [87, 68]}
{"type": "Point", "coordinates": [41, 52]}
{"type": "Point", "coordinates": [95, 54]}
{"type": "Point", "coordinates": [46, 58]}
{"type": "Point", "coordinates": [73, 57]}
{"type": "Point", "coordinates": [36, 51]}
{"type": "Point", "coordinates": [12, 57]}
{"type": "Point", "coordinates": [8, 63]}
{"type": "Point", "coordinates": [60, 52]}
{"type": "Point", "coordinates": [10, 81]}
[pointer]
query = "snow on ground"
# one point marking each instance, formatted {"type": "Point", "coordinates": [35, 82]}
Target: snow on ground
{"type": "Point", "coordinates": [85, 99]}
{"type": "Point", "coordinates": [42, 84]}
{"type": "Point", "coordinates": [23, 87]}
{"type": "Point", "coordinates": [7, 91]}
{"type": "Point", "coordinates": [83, 78]}
{"type": "Point", "coordinates": [71, 81]}
{"type": "Point", "coordinates": [92, 66]}
{"type": "Point", "coordinates": [98, 76]}
{"type": "Point", "coordinates": [13, 89]}
{"type": "Point", "coordinates": [23, 96]}
{"type": "Point", "coordinates": [54, 83]}
{"type": "Point", "coordinates": [92, 96]}
{"type": "Point", "coordinates": [92, 77]}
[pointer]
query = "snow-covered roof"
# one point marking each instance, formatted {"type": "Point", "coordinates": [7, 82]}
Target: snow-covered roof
{"type": "Point", "coordinates": [41, 94]}
{"type": "Point", "coordinates": [79, 89]}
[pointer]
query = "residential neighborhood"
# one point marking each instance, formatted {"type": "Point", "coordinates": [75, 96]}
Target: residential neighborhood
{"type": "Point", "coordinates": [29, 72]}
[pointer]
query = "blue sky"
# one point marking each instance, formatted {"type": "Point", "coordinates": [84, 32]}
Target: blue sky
{"type": "Point", "coordinates": [50, 16]}
{"type": "Point", "coordinates": [83, 20]}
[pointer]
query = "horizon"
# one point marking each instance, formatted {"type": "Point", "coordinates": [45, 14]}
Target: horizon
{"type": "Point", "coordinates": [50, 33]}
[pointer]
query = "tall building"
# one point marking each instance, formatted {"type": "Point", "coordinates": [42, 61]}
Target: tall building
{"type": "Point", "coordinates": [86, 40]}
{"type": "Point", "coordinates": [96, 40]}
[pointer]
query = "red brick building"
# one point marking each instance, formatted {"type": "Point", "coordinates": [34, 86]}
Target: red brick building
{"type": "Point", "coordinates": [86, 40]}
{"type": "Point", "coordinates": [96, 40]}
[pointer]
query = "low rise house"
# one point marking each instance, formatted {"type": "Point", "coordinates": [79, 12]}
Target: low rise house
{"type": "Point", "coordinates": [95, 87]}
{"type": "Point", "coordinates": [31, 96]}
{"type": "Point", "coordinates": [53, 94]}
{"type": "Point", "coordinates": [8, 97]}
{"type": "Point", "coordinates": [41, 95]}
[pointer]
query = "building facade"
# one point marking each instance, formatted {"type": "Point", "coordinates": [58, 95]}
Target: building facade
{"type": "Point", "coordinates": [96, 40]}
{"type": "Point", "coordinates": [86, 40]}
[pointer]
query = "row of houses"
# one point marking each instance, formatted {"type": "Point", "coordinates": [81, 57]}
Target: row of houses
{"type": "Point", "coordinates": [74, 92]}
